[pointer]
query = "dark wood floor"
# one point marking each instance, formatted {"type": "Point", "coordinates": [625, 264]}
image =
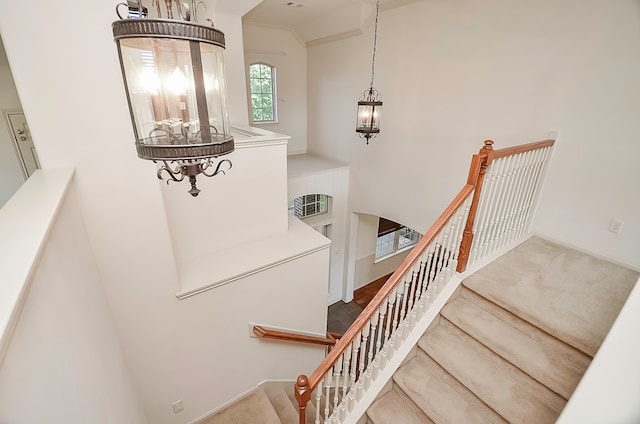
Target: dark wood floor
{"type": "Point", "coordinates": [342, 315]}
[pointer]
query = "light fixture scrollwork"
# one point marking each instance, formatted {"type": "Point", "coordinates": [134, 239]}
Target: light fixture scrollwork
{"type": "Point", "coordinates": [173, 72]}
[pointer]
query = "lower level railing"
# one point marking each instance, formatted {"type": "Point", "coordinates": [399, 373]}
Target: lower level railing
{"type": "Point", "coordinates": [476, 223]}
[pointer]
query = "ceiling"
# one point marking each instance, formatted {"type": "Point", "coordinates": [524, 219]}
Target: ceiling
{"type": "Point", "coordinates": [328, 17]}
{"type": "Point", "coordinates": [290, 13]}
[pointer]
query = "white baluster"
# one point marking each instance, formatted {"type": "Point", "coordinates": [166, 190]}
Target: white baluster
{"type": "Point", "coordinates": [421, 290]}
{"type": "Point", "coordinates": [412, 297]}
{"type": "Point", "coordinates": [353, 394]}
{"type": "Point", "coordinates": [382, 313]}
{"type": "Point", "coordinates": [346, 380]}
{"type": "Point", "coordinates": [443, 255]}
{"type": "Point", "coordinates": [396, 310]}
{"type": "Point", "coordinates": [363, 356]}
{"type": "Point", "coordinates": [337, 371]}
{"type": "Point", "coordinates": [405, 296]}
{"type": "Point", "coordinates": [387, 329]}
{"type": "Point", "coordinates": [428, 287]}
{"type": "Point", "coordinates": [437, 253]}
{"type": "Point", "coordinates": [318, 398]}
{"type": "Point", "coordinates": [372, 341]}
{"type": "Point", "coordinates": [327, 398]}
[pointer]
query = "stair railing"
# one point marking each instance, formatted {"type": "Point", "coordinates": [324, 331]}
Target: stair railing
{"type": "Point", "coordinates": [507, 189]}
{"type": "Point", "coordinates": [287, 336]}
{"type": "Point", "coordinates": [475, 224]}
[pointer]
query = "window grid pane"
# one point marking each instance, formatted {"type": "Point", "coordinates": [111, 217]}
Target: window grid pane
{"type": "Point", "coordinates": [395, 241]}
{"type": "Point", "coordinates": [308, 205]}
{"type": "Point", "coordinates": [262, 90]}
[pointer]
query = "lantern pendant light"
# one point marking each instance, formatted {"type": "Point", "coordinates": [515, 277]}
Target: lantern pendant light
{"type": "Point", "coordinates": [173, 71]}
{"type": "Point", "coordinates": [370, 103]}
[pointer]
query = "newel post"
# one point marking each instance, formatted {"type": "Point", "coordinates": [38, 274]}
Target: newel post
{"type": "Point", "coordinates": [478, 169]}
{"type": "Point", "coordinates": [303, 394]}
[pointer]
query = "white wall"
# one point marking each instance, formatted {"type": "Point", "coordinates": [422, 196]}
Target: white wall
{"type": "Point", "coordinates": [334, 183]}
{"type": "Point", "coordinates": [67, 72]}
{"type": "Point", "coordinates": [11, 177]}
{"type": "Point", "coordinates": [231, 25]}
{"type": "Point", "coordinates": [65, 362]}
{"type": "Point", "coordinates": [282, 49]}
{"type": "Point", "coordinates": [230, 198]}
{"type": "Point", "coordinates": [366, 270]}
{"type": "Point", "coordinates": [609, 390]}
{"type": "Point", "coordinates": [455, 73]}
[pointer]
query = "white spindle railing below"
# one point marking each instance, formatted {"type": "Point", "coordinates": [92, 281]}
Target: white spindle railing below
{"type": "Point", "coordinates": [506, 202]}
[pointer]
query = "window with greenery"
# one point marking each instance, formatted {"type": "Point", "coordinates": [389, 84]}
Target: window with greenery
{"type": "Point", "coordinates": [262, 83]}
{"type": "Point", "coordinates": [309, 205]}
{"type": "Point", "coordinates": [394, 238]}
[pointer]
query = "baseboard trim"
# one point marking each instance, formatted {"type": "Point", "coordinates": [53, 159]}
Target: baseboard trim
{"type": "Point", "coordinates": [224, 405]}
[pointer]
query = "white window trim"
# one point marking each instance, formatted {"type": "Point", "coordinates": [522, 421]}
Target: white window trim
{"type": "Point", "coordinates": [274, 96]}
{"type": "Point", "coordinates": [397, 251]}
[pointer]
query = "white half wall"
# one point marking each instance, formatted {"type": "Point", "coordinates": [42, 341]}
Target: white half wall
{"type": "Point", "coordinates": [65, 361]}
{"type": "Point", "coordinates": [332, 180]}
{"type": "Point", "coordinates": [282, 49]}
{"type": "Point", "coordinates": [455, 73]}
{"type": "Point", "coordinates": [609, 390]}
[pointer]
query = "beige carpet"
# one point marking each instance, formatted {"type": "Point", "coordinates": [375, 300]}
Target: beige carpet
{"type": "Point", "coordinates": [253, 409]}
{"type": "Point", "coordinates": [569, 294]}
{"type": "Point", "coordinates": [511, 347]}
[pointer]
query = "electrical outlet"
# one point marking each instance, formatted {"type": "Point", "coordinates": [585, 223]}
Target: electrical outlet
{"type": "Point", "coordinates": [616, 226]}
{"type": "Point", "coordinates": [177, 406]}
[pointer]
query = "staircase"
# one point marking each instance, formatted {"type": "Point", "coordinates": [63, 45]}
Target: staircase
{"type": "Point", "coordinates": [511, 345]}
{"type": "Point", "coordinates": [481, 363]}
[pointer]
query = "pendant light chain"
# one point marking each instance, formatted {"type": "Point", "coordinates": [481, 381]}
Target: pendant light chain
{"type": "Point", "coordinates": [368, 119]}
{"type": "Point", "coordinates": [375, 42]}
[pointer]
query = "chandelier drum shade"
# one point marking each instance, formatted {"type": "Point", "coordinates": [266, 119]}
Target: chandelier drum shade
{"type": "Point", "coordinates": [370, 103]}
{"type": "Point", "coordinates": [174, 79]}
{"type": "Point", "coordinates": [369, 113]}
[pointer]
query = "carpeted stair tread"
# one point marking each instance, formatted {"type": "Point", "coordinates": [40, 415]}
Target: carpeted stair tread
{"type": "Point", "coordinates": [253, 409]}
{"type": "Point", "coordinates": [442, 398]}
{"type": "Point", "coordinates": [392, 409]}
{"type": "Point", "coordinates": [506, 389]}
{"type": "Point", "coordinates": [284, 408]}
{"type": "Point", "coordinates": [569, 294]}
{"type": "Point", "coordinates": [540, 355]}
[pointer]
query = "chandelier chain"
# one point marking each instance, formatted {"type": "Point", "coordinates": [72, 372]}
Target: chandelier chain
{"type": "Point", "coordinates": [375, 42]}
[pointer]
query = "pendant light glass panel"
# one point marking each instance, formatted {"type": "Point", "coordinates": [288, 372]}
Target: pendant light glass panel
{"type": "Point", "coordinates": [177, 96]}
{"type": "Point", "coordinates": [368, 117]}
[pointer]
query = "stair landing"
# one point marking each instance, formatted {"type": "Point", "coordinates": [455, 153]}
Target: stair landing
{"type": "Point", "coordinates": [514, 342]}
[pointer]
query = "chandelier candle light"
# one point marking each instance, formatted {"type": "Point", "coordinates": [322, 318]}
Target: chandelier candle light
{"type": "Point", "coordinates": [173, 73]}
{"type": "Point", "coordinates": [369, 105]}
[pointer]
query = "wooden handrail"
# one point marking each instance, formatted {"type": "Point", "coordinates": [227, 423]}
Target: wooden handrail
{"type": "Point", "coordinates": [304, 385]}
{"type": "Point", "coordinates": [265, 333]}
{"type": "Point", "coordinates": [508, 151]}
